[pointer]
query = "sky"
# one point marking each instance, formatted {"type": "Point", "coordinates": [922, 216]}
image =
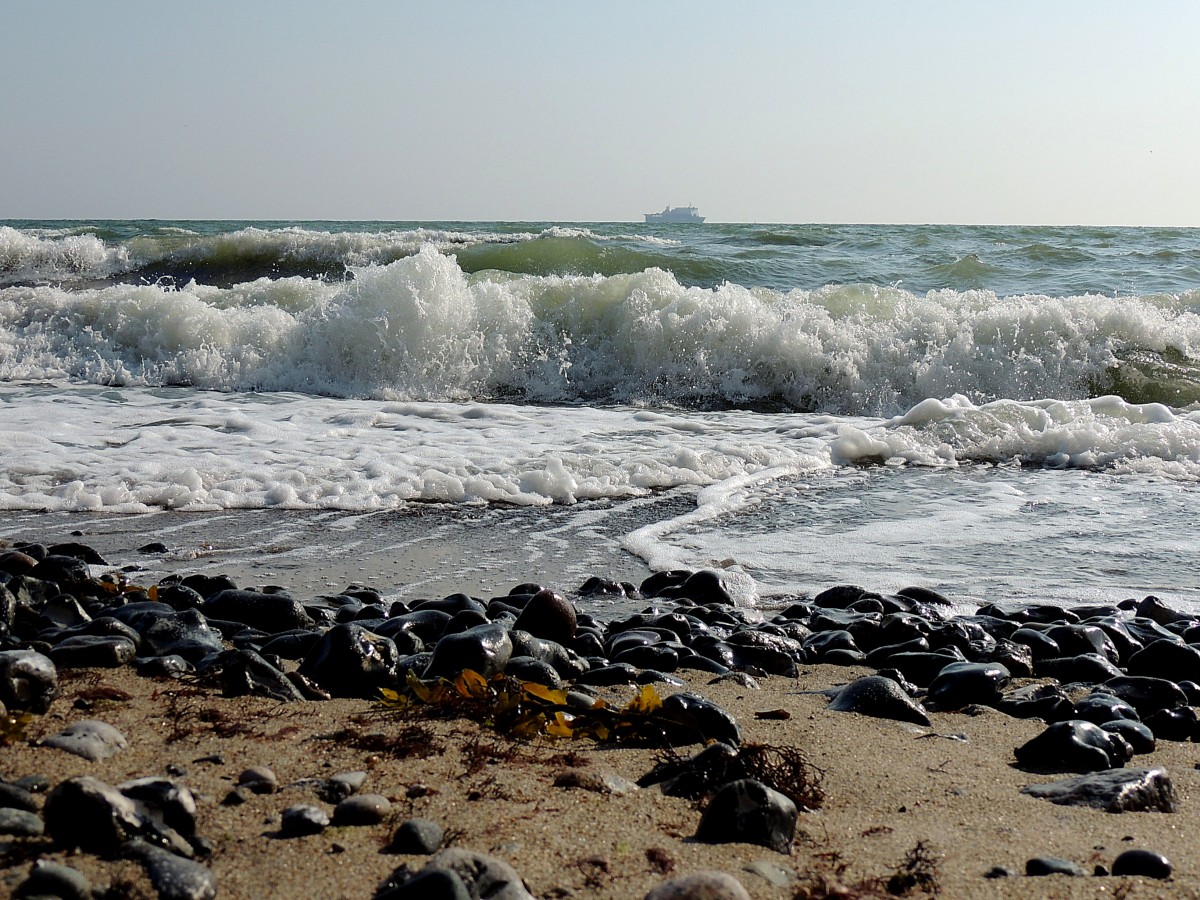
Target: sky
{"type": "Point", "coordinates": [874, 112]}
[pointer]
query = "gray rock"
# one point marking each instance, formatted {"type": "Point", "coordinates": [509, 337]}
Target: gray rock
{"type": "Point", "coordinates": [362, 809]}
{"type": "Point", "coordinates": [432, 885]}
{"type": "Point", "coordinates": [303, 819]}
{"type": "Point", "coordinates": [271, 613]}
{"type": "Point", "coordinates": [700, 886]}
{"type": "Point", "coordinates": [747, 811]}
{"type": "Point", "coordinates": [28, 680]}
{"type": "Point", "coordinates": [1052, 865]}
{"type": "Point", "coordinates": [20, 823]}
{"type": "Point", "coordinates": [169, 801]}
{"type": "Point", "coordinates": [587, 779]}
{"type": "Point", "coordinates": [88, 651]}
{"type": "Point", "coordinates": [173, 877]}
{"type": "Point", "coordinates": [245, 673]}
{"type": "Point", "coordinates": [417, 836]}
{"type": "Point", "coordinates": [1114, 790]}
{"type": "Point", "coordinates": [14, 796]}
{"type": "Point", "coordinates": [482, 875]}
{"type": "Point", "coordinates": [880, 697]}
{"type": "Point", "coordinates": [49, 879]}
{"type": "Point", "coordinates": [259, 780]}
{"type": "Point", "coordinates": [87, 813]}
{"type": "Point", "coordinates": [89, 738]}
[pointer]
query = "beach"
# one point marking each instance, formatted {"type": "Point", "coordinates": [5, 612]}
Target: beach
{"type": "Point", "coordinates": [949, 789]}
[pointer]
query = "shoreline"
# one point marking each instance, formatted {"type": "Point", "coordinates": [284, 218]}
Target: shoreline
{"type": "Point", "coordinates": [889, 786]}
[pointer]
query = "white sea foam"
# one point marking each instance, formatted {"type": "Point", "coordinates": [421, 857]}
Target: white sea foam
{"type": "Point", "coordinates": [419, 328]}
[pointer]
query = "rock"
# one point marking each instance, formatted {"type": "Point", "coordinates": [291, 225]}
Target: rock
{"type": "Point", "coordinates": [350, 661]}
{"type": "Point", "coordinates": [880, 697]}
{"type": "Point", "coordinates": [341, 786]}
{"type": "Point", "coordinates": [259, 780]}
{"type": "Point", "coordinates": [962, 683]}
{"type": "Point", "coordinates": [20, 823]}
{"type": "Point", "coordinates": [90, 739]}
{"type": "Point", "coordinates": [1086, 668]}
{"type": "Point", "coordinates": [699, 720]}
{"type": "Point", "coordinates": [185, 633]}
{"type": "Point", "coordinates": [1136, 734]}
{"type": "Point", "coordinates": [28, 680]}
{"type": "Point", "coordinates": [93, 651]}
{"type": "Point", "coordinates": [173, 877]}
{"type": "Point", "coordinates": [271, 613]}
{"type": "Point", "coordinates": [1052, 865]}
{"type": "Point", "coordinates": [1074, 746]}
{"type": "Point", "coordinates": [1167, 659]}
{"type": "Point", "coordinates": [548, 615]}
{"type": "Point", "coordinates": [302, 819]}
{"type": "Point", "coordinates": [1114, 790]}
{"type": "Point", "coordinates": [1145, 863]}
{"type": "Point", "coordinates": [245, 673]}
{"type": "Point", "coordinates": [417, 837]}
{"type": "Point", "coordinates": [747, 811]}
{"type": "Point", "coordinates": [171, 802]}
{"type": "Point", "coordinates": [85, 812]}
{"type": "Point", "coordinates": [362, 809]}
{"type": "Point", "coordinates": [431, 885]}
{"type": "Point", "coordinates": [1173, 724]}
{"type": "Point", "coordinates": [705, 885]}
{"type": "Point", "coordinates": [482, 875]}
{"type": "Point", "coordinates": [14, 796]}
{"type": "Point", "coordinates": [1101, 708]}
{"type": "Point", "coordinates": [1146, 694]}
{"type": "Point", "coordinates": [484, 649]}
{"type": "Point", "coordinates": [50, 879]}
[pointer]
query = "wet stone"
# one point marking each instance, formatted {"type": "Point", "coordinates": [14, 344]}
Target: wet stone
{"type": "Point", "coordinates": [87, 651]}
{"type": "Point", "coordinates": [1115, 790]}
{"type": "Point", "coordinates": [1074, 746]}
{"type": "Point", "coordinates": [485, 649]}
{"type": "Point", "coordinates": [1145, 863]}
{"type": "Point", "coordinates": [431, 885]}
{"type": "Point", "coordinates": [880, 697]}
{"type": "Point", "coordinates": [747, 811]}
{"type": "Point", "coordinates": [302, 819]}
{"type": "Point", "coordinates": [14, 796]}
{"type": "Point", "coordinates": [963, 683]}
{"type": "Point", "coordinates": [699, 719]}
{"type": "Point", "coordinates": [91, 739]}
{"type": "Point", "coordinates": [350, 661]}
{"type": "Point", "coordinates": [1136, 734]}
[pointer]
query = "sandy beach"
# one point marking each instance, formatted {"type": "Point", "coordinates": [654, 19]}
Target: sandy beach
{"type": "Point", "coordinates": [889, 787]}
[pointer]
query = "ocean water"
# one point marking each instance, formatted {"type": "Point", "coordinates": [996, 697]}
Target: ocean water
{"type": "Point", "coordinates": [998, 413]}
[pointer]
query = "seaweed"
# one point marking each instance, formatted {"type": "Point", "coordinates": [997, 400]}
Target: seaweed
{"type": "Point", "coordinates": [828, 880]}
{"type": "Point", "coordinates": [784, 769]}
{"type": "Point", "coordinates": [411, 741]}
{"type": "Point", "coordinates": [525, 709]}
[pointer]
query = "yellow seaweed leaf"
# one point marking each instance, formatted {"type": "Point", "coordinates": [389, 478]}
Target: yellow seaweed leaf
{"type": "Point", "coordinates": [559, 726]}
{"type": "Point", "coordinates": [471, 684]}
{"type": "Point", "coordinates": [541, 692]}
{"type": "Point", "coordinates": [418, 687]}
{"type": "Point", "coordinates": [152, 593]}
{"type": "Point", "coordinates": [646, 702]}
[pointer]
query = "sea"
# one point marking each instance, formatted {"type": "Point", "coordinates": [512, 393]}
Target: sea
{"type": "Point", "coordinates": [996, 413]}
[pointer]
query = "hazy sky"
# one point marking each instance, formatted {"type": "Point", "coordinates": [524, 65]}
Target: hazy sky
{"type": "Point", "coordinates": [840, 111]}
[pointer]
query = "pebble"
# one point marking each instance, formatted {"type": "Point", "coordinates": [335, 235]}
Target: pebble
{"type": "Point", "coordinates": [482, 875]}
{"type": "Point", "coordinates": [89, 738]}
{"type": "Point", "coordinates": [20, 823]}
{"type": "Point", "coordinates": [880, 697]}
{"type": "Point", "coordinates": [1052, 865]}
{"type": "Point", "coordinates": [303, 819]}
{"type": "Point", "coordinates": [172, 877]}
{"type": "Point", "coordinates": [50, 879]}
{"type": "Point", "coordinates": [588, 779]}
{"type": "Point", "coordinates": [704, 885]}
{"type": "Point", "coordinates": [258, 780]}
{"type": "Point", "coordinates": [362, 809]}
{"type": "Point", "coordinates": [417, 836]}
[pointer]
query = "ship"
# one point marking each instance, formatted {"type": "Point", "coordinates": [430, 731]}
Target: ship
{"type": "Point", "coordinates": [675, 214]}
